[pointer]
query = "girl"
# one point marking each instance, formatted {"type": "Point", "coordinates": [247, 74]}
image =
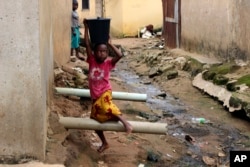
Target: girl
{"type": "Point", "coordinates": [103, 109]}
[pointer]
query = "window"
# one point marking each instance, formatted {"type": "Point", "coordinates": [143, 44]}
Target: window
{"type": "Point", "coordinates": [85, 4]}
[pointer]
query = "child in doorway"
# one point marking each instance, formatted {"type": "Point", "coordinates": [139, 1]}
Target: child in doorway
{"type": "Point", "coordinates": [100, 65]}
{"type": "Point", "coordinates": [75, 32]}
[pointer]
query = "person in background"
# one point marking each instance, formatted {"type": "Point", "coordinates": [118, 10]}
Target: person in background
{"type": "Point", "coordinates": [75, 32]}
{"type": "Point", "coordinates": [100, 65]}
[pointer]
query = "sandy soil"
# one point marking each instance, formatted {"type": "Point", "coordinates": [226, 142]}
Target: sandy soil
{"type": "Point", "coordinates": [200, 145]}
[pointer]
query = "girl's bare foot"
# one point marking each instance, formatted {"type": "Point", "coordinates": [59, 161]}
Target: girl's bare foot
{"type": "Point", "coordinates": [129, 128]}
{"type": "Point", "coordinates": [103, 148]}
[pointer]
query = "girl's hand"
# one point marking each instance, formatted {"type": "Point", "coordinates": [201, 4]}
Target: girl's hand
{"type": "Point", "coordinates": [109, 40]}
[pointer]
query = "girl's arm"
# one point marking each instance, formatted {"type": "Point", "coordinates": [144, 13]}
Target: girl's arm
{"type": "Point", "coordinates": [86, 38]}
{"type": "Point", "coordinates": [118, 53]}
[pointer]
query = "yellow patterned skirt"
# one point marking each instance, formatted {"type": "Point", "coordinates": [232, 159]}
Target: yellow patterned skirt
{"type": "Point", "coordinates": [103, 109]}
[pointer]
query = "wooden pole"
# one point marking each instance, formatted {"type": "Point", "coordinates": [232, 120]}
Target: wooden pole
{"type": "Point", "coordinates": [91, 124]}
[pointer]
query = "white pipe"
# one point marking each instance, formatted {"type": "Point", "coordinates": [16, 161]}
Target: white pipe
{"type": "Point", "coordinates": [115, 95]}
{"type": "Point", "coordinates": [91, 124]}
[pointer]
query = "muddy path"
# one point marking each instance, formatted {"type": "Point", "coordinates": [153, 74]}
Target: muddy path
{"type": "Point", "coordinates": [174, 102]}
{"type": "Point", "coordinates": [204, 144]}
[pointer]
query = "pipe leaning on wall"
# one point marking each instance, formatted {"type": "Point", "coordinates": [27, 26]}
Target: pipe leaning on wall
{"type": "Point", "coordinates": [115, 95]}
{"type": "Point", "coordinates": [91, 124]}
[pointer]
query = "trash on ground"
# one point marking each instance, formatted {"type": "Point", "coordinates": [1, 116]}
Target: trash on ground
{"type": "Point", "coordinates": [200, 120]}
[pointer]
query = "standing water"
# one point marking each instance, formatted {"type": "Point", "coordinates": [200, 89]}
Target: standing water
{"type": "Point", "coordinates": [184, 128]}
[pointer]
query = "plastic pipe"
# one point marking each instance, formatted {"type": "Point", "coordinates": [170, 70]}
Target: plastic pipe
{"type": "Point", "coordinates": [91, 124]}
{"type": "Point", "coordinates": [115, 95]}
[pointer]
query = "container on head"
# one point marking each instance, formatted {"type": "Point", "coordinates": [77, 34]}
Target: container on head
{"type": "Point", "coordinates": [99, 30]}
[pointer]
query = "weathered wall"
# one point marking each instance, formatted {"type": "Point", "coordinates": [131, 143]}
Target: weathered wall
{"type": "Point", "coordinates": [115, 11]}
{"type": "Point", "coordinates": [28, 38]}
{"type": "Point", "coordinates": [242, 29]}
{"type": "Point", "coordinates": [215, 27]}
{"type": "Point", "coordinates": [86, 13]}
{"type": "Point", "coordinates": [61, 30]}
{"type": "Point", "coordinates": [23, 99]}
{"type": "Point", "coordinates": [127, 16]}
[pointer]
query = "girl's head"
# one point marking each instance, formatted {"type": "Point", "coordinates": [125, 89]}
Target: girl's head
{"type": "Point", "coordinates": [100, 52]}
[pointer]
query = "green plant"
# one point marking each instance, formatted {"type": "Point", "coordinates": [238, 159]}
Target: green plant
{"type": "Point", "coordinates": [224, 68]}
{"type": "Point", "coordinates": [244, 80]}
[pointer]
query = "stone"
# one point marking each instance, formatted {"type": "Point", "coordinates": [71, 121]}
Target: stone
{"type": "Point", "coordinates": [172, 74]}
{"type": "Point", "coordinates": [153, 72]}
{"type": "Point", "coordinates": [166, 68]}
{"type": "Point", "coordinates": [58, 72]}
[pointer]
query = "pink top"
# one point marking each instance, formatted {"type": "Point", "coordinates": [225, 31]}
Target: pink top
{"type": "Point", "coordinates": [99, 77]}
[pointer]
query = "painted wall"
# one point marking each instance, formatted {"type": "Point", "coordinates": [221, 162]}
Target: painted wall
{"type": "Point", "coordinates": [216, 27]}
{"type": "Point", "coordinates": [87, 13]}
{"type": "Point", "coordinates": [127, 16]}
{"type": "Point", "coordinates": [27, 44]}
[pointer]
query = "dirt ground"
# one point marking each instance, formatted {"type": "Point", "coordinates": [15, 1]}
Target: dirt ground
{"type": "Point", "coordinates": [196, 145]}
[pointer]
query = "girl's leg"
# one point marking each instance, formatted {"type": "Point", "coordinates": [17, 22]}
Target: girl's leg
{"type": "Point", "coordinates": [126, 124]}
{"type": "Point", "coordinates": [104, 145]}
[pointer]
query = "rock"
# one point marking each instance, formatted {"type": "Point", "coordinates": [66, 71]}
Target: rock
{"type": "Point", "coordinates": [152, 157]}
{"type": "Point", "coordinates": [242, 88]}
{"type": "Point", "coordinates": [180, 62]}
{"type": "Point", "coordinates": [172, 74]}
{"type": "Point", "coordinates": [231, 85]}
{"type": "Point", "coordinates": [73, 58]}
{"type": "Point", "coordinates": [146, 82]}
{"type": "Point", "coordinates": [220, 80]}
{"type": "Point", "coordinates": [153, 72]}
{"type": "Point", "coordinates": [58, 72]}
{"type": "Point", "coordinates": [189, 138]}
{"type": "Point", "coordinates": [247, 110]}
{"type": "Point", "coordinates": [233, 102]}
{"type": "Point", "coordinates": [213, 90]}
{"type": "Point", "coordinates": [208, 75]}
{"type": "Point", "coordinates": [166, 68]}
{"type": "Point", "coordinates": [206, 66]}
{"type": "Point", "coordinates": [221, 154]}
{"type": "Point", "coordinates": [164, 95]}
{"type": "Point", "coordinates": [209, 161]}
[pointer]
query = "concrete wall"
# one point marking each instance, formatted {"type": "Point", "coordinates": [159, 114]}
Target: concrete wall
{"type": "Point", "coordinates": [242, 29]}
{"type": "Point", "coordinates": [27, 44]}
{"type": "Point", "coordinates": [216, 28]}
{"type": "Point", "coordinates": [61, 30]}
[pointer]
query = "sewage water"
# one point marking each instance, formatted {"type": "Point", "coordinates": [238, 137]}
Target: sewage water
{"type": "Point", "coordinates": [175, 107]}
